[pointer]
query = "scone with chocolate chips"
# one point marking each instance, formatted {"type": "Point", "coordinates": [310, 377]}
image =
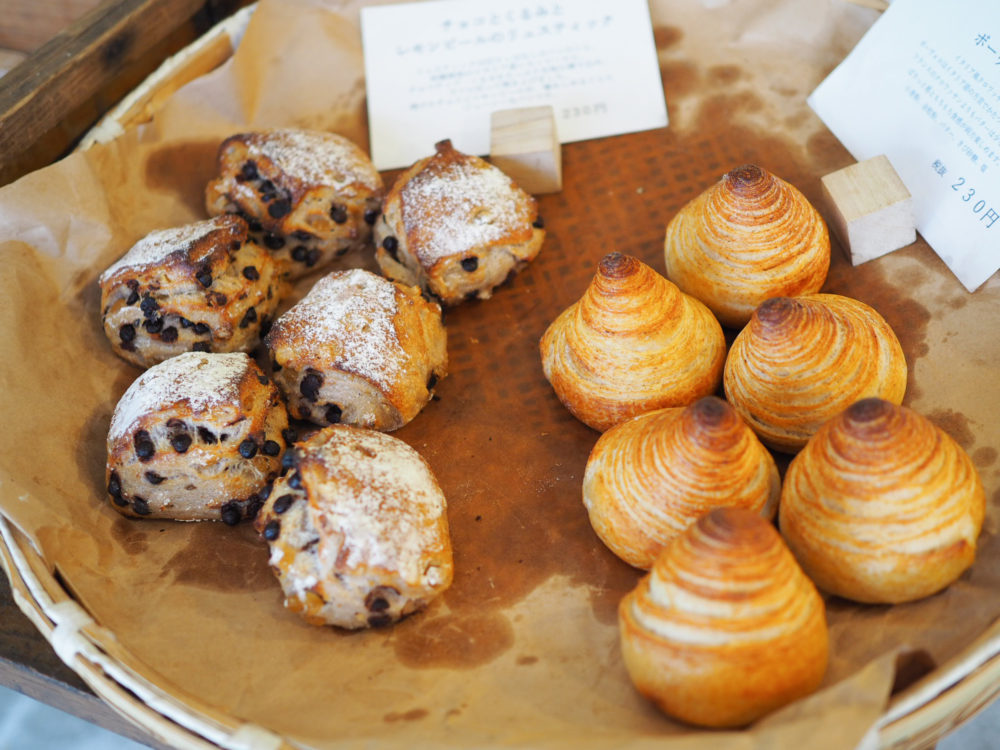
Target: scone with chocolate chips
{"type": "Point", "coordinates": [200, 287]}
{"type": "Point", "coordinates": [358, 529]}
{"type": "Point", "coordinates": [456, 226]}
{"type": "Point", "coordinates": [310, 197]}
{"type": "Point", "coordinates": [197, 437]}
{"type": "Point", "coordinates": [359, 349]}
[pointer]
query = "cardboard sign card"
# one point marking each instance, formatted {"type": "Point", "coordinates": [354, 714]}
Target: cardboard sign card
{"type": "Point", "coordinates": [436, 70]}
{"type": "Point", "coordinates": [923, 88]}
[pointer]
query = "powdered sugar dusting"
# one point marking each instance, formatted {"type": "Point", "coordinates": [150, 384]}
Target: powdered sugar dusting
{"type": "Point", "coordinates": [454, 205]}
{"type": "Point", "coordinates": [156, 246]}
{"type": "Point", "coordinates": [317, 158]}
{"type": "Point", "coordinates": [352, 313]}
{"type": "Point", "coordinates": [202, 380]}
{"type": "Point", "coordinates": [384, 516]}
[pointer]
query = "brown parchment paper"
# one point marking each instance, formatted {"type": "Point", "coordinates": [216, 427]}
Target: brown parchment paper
{"type": "Point", "coordinates": [522, 651]}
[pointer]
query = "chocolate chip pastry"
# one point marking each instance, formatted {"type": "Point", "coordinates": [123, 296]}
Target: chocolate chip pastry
{"type": "Point", "coordinates": [310, 197]}
{"type": "Point", "coordinates": [358, 529]}
{"type": "Point", "coordinates": [197, 437]}
{"type": "Point", "coordinates": [456, 226]}
{"type": "Point", "coordinates": [200, 287]}
{"type": "Point", "coordinates": [359, 349]}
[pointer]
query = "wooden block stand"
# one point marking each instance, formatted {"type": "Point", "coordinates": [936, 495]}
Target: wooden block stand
{"type": "Point", "coordinates": [524, 145]}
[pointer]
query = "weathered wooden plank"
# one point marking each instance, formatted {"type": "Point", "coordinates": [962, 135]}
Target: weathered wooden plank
{"type": "Point", "coordinates": [27, 24]}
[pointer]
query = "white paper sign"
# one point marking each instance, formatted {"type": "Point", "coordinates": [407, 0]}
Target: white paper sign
{"type": "Point", "coordinates": [923, 88]}
{"type": "Point", "coordinates": [437, 70]}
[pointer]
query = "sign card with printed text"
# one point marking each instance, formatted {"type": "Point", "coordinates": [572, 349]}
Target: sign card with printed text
{"type": "Point", "coordinates": [436, 70]}
{"type": "Point", "coordinates": [923, 88]}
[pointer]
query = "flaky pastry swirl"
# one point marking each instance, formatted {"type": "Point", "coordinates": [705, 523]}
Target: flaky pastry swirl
{"type": "Point", "coordinates": [800, 361]}
{"type": "Point", "coordinates": [882, 505]}
{"type": "Point", "coordinates": [749, 237]}
{"type": "Point", "coordinates": [726, 627]}
{"type": "Point", "coordinates": [631, 344]}
{"type": "Point", "coordinates": [652, 476]}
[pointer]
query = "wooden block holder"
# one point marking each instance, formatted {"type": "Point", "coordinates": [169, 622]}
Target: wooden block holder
{"type": "Point", "coordinates": [524, 144]}
{"type": "Point", "coordinates": [871, 210]}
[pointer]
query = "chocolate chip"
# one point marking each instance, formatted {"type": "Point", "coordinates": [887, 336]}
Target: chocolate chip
{"type": "Point", "coordinates": [126, 333]}
{"type": "Point", "coordinates": [289, 435]}
{"type": "Point", "coordinates": [223, 437]}
{"type": "Point", "coordinates": [310, 385]}
{"type": "Point", "coordinates": [169, 335]}
{"type": "Point", "coordinates": [219, 298]}
{"type": "Point", "coordinates": [304, 412]}
{"type": "Point", "coordinates": [270, 448]}
{"type": "Point", "coordinates": [180, 443]}
{"type": "Point", "coordinates": [391, 245]}
{"type": "Point", "coordinates": [262, 379]}
{"type": "Point", "coordinates": [312, 258]}
{"type": "Point", "coordinates": [379, 620]}
{"type": "Point", "coordinates": [253, 225]}
{"type": "Point", "coordinates": [132, 298]}
{"type": "Point", "coordinates": [185, 323]}
{"type": "Point", "coordinates": [279, 208]}
{"type": "Point", "coordinates": [299, 253]}
{"type": "Point", "coordinates": [248, 448]}
{"type": "Point", "coordinates": [249, 317]}
{"type": "Point", "coordinates": [283, 503]}
{"type": "Point", "coordinates": [114, 485]}
{"type": "Point", "coordinates": [338, 213]}
{"type": "Point", "coordinates": [201, 329]}
{"type": "Point", "coordinates": [378, 598]}
{"type": "Point", "coordinates": [538, 223]}
{"type": "Point", "coordinates": [432, 381]}
{"type": "Point", "coordinates": [249, 171]}
{"type": "Point", "coordinates": [207, 436]}
{"type": "Point", "coordinates": [341, 252]}
{"type": "Point", "coordinates": [149, 306]}
{"type": "Point", "coordinates": [204, 277]}
{"type": "Point", "coordinates": [250, 273]}
{"type": "Point", "coordinates": [235, 245]}
{"type": "Point", "coordinates": [231, 513]}
{"type": "Point", "coordinates": [273, 241]}
{"type": "Point", "coordinates": [265, 326]}
{"type": "Point", "coordinates": [333, 414]}
{"type": "Point", "coordinates": [378, 605]}
{"type": "Point", "coordinates": [140, 506]}
{"type": "Point", "coordinates": [153, 326]}
{"type": "Point", "coordinates": [276, 366]}
{"type": "Point", "coordinates": [302, 235]}
{"type": "Point", "coordinates": [254, 505]}
{"type": "Point", "coordinates": [153, 478]}
{"type": "Point", "coordinates": [295, 481]}
{"type": "Point", "coordinates": [144, 447]}
{"type": "Point", "coordinates": [470, 264]}
{"type": "Point", "coordinates": [119, 500]}
{"type": "Point", "coordinates": [371, 216]}
{"type": "Point", "coordinates": [201, 346]}
{"type": "Point", "coordinates": [289, 460]}
{"type": "Point", "coordinates": [265, 491]}
{"type": "Point", "coordinates": [272, 530]}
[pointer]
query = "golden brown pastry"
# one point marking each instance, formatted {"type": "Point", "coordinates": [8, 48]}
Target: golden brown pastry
{"type": "Point", "coordinates": [726, 627]}
{"type": "Point", "coordinates": [358, 529]}
{"type": "Point", "coordinates": [201, 287]}
{"type": "Point", "coordinates": [652, 476]}
{"type": "Point", "coordinates": [801, 361]}
{"type": "Point", "coordinates": [197, 437]}
{"type": "Point", "coordinates": [631, 344]}
{"type": "Point", "coordinates": [359, 349]}
{"type": "Point", "coordinates": [456, 226]}
{"type": "Point", "coordinates": [882, 506]}
{"type": "Point", "coordinates": [310, 197]}
{"type": "Point", "coordinates": [749, 237]}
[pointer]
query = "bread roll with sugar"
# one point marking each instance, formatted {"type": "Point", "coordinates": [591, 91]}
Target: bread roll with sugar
{"type": "Point", "coordinates": [359, 349]}
{"type": "Point", "coordinates": [652, 476]}
{"type": "Point", "coordinates": [310, 197]}
{"type": "Point", "coordinates": [725, 628]}
{"type": "Point", "coordinates": [882, 506]}
{"type": "Point", "coordinates": [633, 343]}
{"type": "Point", "coordinates": [358, 530]}
{"type": "Point", "coordinates": [202, 287]}
{"type": "Point", "coordinates": [197, 437]}
{"type": "Point", "coordinates": [456, 226]}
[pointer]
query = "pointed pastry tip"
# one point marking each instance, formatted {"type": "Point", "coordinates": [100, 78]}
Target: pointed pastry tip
{"type": "Point", "coordinates": [617, 266]}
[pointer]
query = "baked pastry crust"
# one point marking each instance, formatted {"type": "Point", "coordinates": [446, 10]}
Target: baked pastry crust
{"type": "Point", "coordinates": [358, 530]}
{"type": "Point", "coordinates": [633, 343]}
{"type": "Point", "coordinates": [197, 437]}
{"type": "Point", "coordinates": [749, 237]}
{"type": "Point", "coordinates": [882, 506]}
{"type": "Point", "coordinates": [310, 197]}
{"type": "Point", "coordinates": [456, 226]}
{"type": "Point", "coordinates": [652, 476]}
{"type": "Point", "coordinates": [201, 287]}
{"type": "Point", "coordinates": [359, 349]}
{"type": "Point", "coordinates": [726, 627]}
{"type": "Point", "coordinates": [803, 360]}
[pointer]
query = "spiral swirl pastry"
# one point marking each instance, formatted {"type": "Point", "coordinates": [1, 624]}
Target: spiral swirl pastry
{"type": "Point", "coordinates": [749, 237]}
{"type": "Point", "coordinates": [631, 344]}
{"type": "Point", "coordinates": [652, 476]}
{"type": "Point", "coordinates": [725, 627]}
{"type": "Point", "coordinates": [801, 361]}
{"type": "Point", "coordinates": [882, 506]}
